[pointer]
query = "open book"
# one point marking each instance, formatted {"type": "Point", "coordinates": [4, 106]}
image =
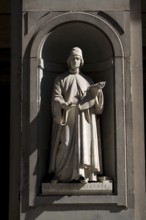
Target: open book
{"type": "Point", "coordinates": [89, 96]}
{"type": "Point", "coordinates": [93, 89]}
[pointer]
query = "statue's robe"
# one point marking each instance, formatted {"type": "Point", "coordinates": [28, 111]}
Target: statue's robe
{"type": "Point", "coordinates": [76, 142]}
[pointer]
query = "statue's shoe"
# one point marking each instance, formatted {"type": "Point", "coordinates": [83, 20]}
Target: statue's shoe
{"type": "Point", "coordinates": [83, 179]}
{"type": "Point", "coordinates": [55, 180]}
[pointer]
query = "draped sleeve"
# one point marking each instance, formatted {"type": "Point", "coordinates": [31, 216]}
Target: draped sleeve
{"type": "Point", "coordinates": [57, 101]}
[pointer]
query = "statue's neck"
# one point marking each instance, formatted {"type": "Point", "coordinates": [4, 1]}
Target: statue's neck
{"type": "Point", "coordinates": [74, 71]}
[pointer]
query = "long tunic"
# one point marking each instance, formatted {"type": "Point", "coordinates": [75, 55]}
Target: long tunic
{"type": "Point", "coordinates": [76, 143]}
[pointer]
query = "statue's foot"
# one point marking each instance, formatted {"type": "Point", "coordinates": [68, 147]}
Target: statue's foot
{"type": "Point", "coordinates": [55, 180]}
{"type": "Point", "coordinates": [83, 179]}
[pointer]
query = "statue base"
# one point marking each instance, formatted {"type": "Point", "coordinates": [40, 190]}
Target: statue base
{"type": "Point", "coordinates": [77, 188]}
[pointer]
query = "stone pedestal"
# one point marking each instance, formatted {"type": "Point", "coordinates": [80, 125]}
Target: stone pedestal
{"type": "Point", "coordinates": [98, 188]}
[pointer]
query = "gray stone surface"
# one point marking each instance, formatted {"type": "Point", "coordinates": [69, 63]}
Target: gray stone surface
{"type": "Point", "coordinates": [67, 5]}
{"type": "Point", "coordinates": [77, 188]}
{"type": "Point", "coordinates": [46, 51]}
{"type": "Point", "coordinates": [62, 34]}
{"type": "Point", "coordinates": [86, 213]}
{"type": "Point", "coordinates": [34, 20]}
{"type": "Point", "coordinates": [33, 156]}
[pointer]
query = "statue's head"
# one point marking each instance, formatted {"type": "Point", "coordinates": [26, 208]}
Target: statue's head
{"type": "Point", "coordinates": [75, 52]}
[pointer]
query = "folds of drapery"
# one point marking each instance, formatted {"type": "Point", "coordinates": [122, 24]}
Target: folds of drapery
{"type": "Point", "coordinates": [76, 141]}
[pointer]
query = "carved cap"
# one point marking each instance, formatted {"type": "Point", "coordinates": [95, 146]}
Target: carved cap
{"type": "Point", "coordinates": [76, 51]}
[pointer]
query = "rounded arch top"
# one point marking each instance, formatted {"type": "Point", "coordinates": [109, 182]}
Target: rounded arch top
{"type": "Point", "coordinates": [83, 17]}
{"type": "Point", "coordinates": [57, 44]}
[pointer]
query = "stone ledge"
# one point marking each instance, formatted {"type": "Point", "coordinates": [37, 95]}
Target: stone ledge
{"type": "Point", "coordinates": [77, 188]}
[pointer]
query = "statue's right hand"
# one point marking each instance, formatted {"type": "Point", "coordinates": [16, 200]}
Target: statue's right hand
{"type": "Point", "coordinates": [66, 105]}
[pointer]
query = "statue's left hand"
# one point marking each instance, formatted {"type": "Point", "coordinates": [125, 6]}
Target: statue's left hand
{"type": "Point", "coordinates": [100, 98]}
{"type": "Point", "coordinates": [66, 105]}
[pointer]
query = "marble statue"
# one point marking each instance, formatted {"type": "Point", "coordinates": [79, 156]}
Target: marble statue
{"type": "Point", "coordinates": [77, 104]}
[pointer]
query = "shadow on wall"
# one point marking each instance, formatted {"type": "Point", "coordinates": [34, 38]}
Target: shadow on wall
{"type": "Point", "coordinates": [36, 137]}
{"type": "Point", "coordinates": [33, 214]}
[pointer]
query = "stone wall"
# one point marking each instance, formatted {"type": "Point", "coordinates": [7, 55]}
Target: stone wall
{"type": "Point", "coordinates": [121, 24]}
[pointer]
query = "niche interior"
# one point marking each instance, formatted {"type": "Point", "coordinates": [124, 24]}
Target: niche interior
{"type": "Point", "coordinates": [99, 64]}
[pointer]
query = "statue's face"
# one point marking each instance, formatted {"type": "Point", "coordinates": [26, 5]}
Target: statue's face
{"type": "Point", "coordinates": [75, 62]}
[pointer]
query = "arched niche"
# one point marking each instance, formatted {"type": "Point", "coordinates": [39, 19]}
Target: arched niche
{"type": "Point", "coordinates": [103, 55]}
{"type": "Point", "coordinates": [98, 56]}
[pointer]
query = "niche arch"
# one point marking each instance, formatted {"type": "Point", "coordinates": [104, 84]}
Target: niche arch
{"type": "Point", "coordinates": [106, 65]}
